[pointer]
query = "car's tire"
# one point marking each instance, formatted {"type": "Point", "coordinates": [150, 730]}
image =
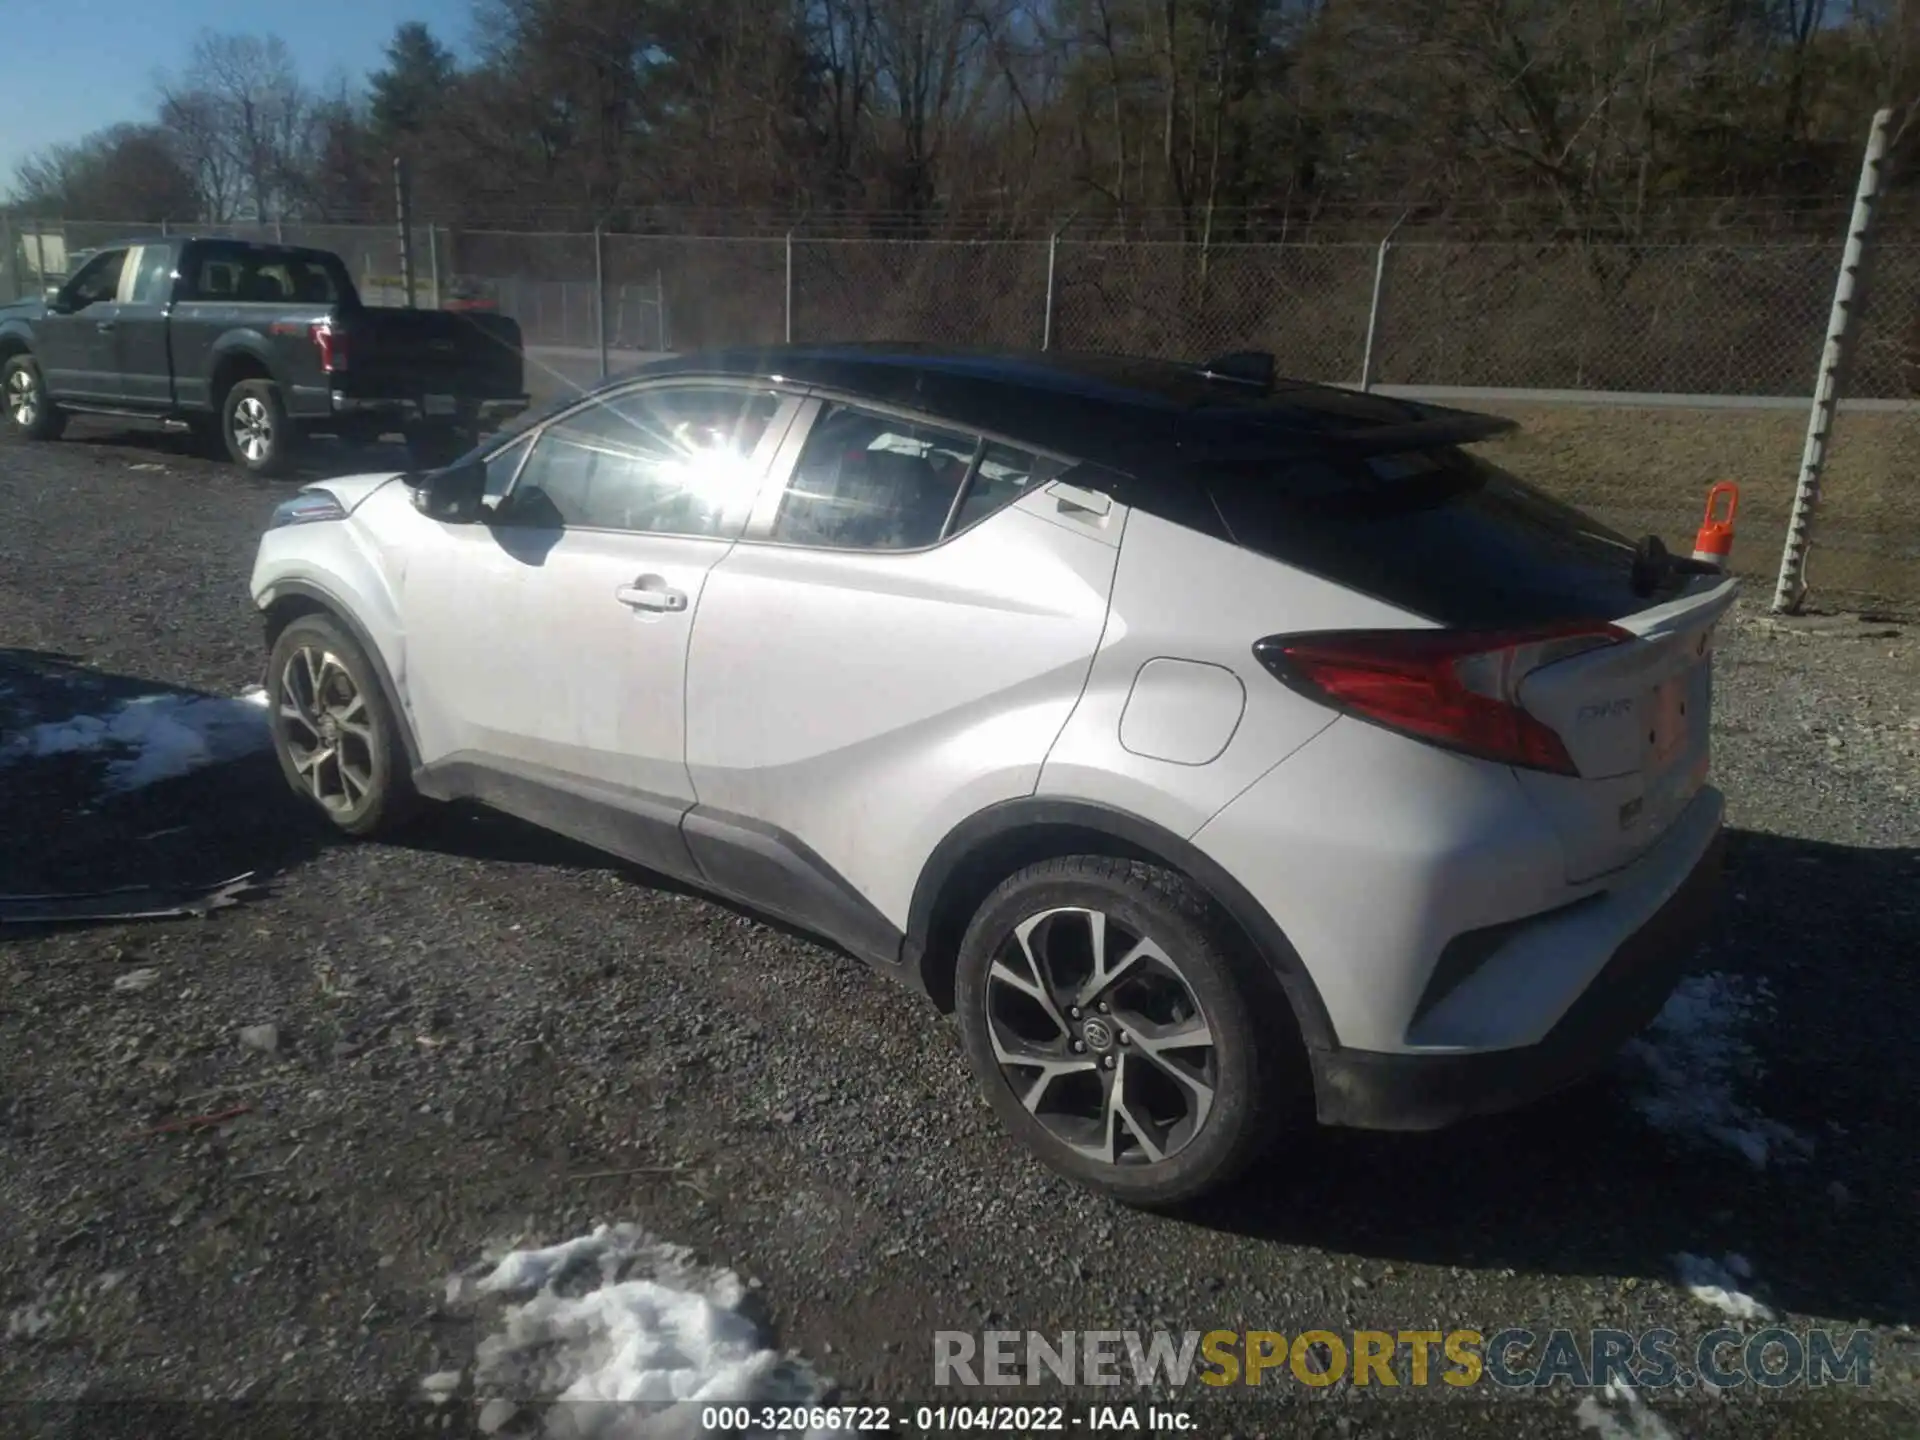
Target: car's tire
{"type": "Point", "coordinates": [25, 410]}
{"type": "Point", "coordinates": [255, 427]}
{"type": "Point", "coordinates": [430, 446]}
{"type": "Point", "coordinates": [334, 731]}
{"type": "Point", "coordinates": [1196, 982]}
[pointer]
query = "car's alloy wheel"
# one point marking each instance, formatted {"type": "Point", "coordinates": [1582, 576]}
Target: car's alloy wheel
{"type": "Point", "coordinates": [1122, 1030]}
{"type": "Point", "coordinates": [1097, 1031]}
{"type": "Point", "coordinates": [252, 429]}
{"type": "Point", "coordinates": [334, 731]}
{"type": "Point", "coordinates": [329, 730]}
{"type": "Point", "coordinates": [25, 409]}
{"type": "Point", "coordinates": [23, 398]}
{"type": "Point", "coordinates": [257, 430]}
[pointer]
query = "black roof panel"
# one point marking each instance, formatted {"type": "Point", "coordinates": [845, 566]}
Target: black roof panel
{"type": "Point", "coordinates": [1114, 410]}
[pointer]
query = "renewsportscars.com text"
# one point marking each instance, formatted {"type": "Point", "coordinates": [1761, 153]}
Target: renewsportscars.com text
{"type": "Point", "coordinates": [1518, 1359]}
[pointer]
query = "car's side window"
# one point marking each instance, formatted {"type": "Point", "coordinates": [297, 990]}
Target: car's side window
{"type": "Point", "coordinates": [873, 482]}
{"type": "Point", "coordinates": [1003, 475]}
{"type": "Point", "coordinates": [98, 280]}
{"type": "Point", "coordinates": [667, 462]}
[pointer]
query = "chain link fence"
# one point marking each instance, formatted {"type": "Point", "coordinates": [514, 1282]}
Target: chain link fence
{"type": "Point", "coordinates": [1641, 374]}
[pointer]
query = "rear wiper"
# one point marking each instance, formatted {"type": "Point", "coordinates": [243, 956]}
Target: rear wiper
{"type": "Point", "coordinates": [1654, 565]}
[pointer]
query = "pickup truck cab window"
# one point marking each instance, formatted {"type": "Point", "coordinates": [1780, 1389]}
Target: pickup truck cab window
{"type": "Point", "coordinates": [98, 280]}
{"type": "Point", "coordinates": [259, 275]}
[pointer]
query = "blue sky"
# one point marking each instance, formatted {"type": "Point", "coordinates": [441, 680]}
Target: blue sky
{"type": "Point", "coordinates": [77, 66]}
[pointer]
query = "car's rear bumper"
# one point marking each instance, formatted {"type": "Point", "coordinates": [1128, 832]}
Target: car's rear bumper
{"type": "Point", "coordinates": [1386, 1091]}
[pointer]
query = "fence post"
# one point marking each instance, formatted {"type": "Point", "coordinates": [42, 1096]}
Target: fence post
{"type": "Point", "coordinates": [789, 287]}
{"type": "Point", "coordinates": [8, 267]}
{"type": "Point", "coordinates": [660, 308]}
{"type": "Point", "coordinates": [403, 218]}
{"type": "Point", "coordinates": [1046, 320]}
{"type": "Point", "coordinates": [600, 296]}
{"type": "Point", "coordinates": [1373, 313]}
{"type": "Point", "coordinates": [1790, 590]}
{"type": "Point", "coordinates": [40, 251]}
{"type": "Point", "coordinates": [433, 264]}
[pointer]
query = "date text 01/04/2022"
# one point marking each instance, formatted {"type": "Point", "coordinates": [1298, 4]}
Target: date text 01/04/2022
{"type": "Point", "coordinates": [946, 1419]}
{"type": "Point", "coordinates": [1036, 1419]}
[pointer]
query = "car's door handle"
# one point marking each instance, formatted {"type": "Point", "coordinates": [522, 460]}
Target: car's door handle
{"type": "Point", "coordinates": [1072, 500]}
{"type": "Point", "coordinates": [650, 592]}
{"type": "Point", "coordinates": [104, 326]}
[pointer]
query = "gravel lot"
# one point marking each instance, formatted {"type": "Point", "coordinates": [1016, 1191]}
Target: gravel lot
{"type": "Point", "coordinates": [484, 1033]}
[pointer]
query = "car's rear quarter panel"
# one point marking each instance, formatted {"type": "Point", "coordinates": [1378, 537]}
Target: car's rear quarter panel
{"type": "Point", "coordinates": [1180, 595]}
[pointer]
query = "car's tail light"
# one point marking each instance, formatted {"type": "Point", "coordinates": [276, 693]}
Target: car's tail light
{"type": "Point", "coordinates": [1453, 688]}
{"type": "Point", "coordinates": [332, 345]}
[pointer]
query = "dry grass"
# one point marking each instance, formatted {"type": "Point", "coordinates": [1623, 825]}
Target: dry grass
{"type": "Point", "coordinates": [1647, 470]}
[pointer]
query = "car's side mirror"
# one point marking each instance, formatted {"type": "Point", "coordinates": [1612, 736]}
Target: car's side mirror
{"type": "Point", "coordinates": [452, 495]}
{"type": "Point", "coordinates": [56, 301]}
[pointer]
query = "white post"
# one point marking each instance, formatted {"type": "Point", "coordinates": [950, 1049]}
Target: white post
{"type": "Point", "coordinates": [433, 265]}
{"type": "Point", "coordinates": [1790, 590]}
{"type": "Point", "coordinates": [789, 287]}
{"type": "Point", "coordinates": [1046, 320]}
{"type": "Point", "coordinates": [1373, 314]}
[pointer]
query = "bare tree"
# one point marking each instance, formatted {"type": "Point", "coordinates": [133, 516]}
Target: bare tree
{"type": "Point", "coordinates": [125, 172]}
{"type": "Point", "coordinates": [246, 123]}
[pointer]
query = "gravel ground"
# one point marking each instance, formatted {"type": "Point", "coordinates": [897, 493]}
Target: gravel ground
{"type": "Point", "coordinates": [485, 1033]}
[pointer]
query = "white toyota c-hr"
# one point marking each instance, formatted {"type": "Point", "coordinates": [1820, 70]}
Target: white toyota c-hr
{"type": "Point", "coordinates": [1224, 751]}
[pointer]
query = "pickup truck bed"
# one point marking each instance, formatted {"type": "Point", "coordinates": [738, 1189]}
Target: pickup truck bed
{"type": "Point", "coordinates": [256, 347]}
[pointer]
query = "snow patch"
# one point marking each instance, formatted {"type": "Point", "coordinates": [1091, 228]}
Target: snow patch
{"type": "Point", "coordinates": [1717, 1283]}
{"type": "Point", "coordinates": [603, 1333]}
{"type": "Point", "coordinates": [158, 737]}
{"type": "Point", "coordinates": [1684, 1069]}
{"type": "Point", "coordinates": [29, 1322]}
{"type": "Point", "coordinates": [1617, 1413]}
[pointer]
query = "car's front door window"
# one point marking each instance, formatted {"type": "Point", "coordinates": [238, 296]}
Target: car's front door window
{"type": "Point", "coordinates": [98, 280]}
{"type": "Point", "coordinates": [663, 462]}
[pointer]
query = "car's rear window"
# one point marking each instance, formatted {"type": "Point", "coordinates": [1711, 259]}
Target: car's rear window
{"type": "Point", "coordinates": [1441, 532]}
{"type": "Point", "coordinates": [255, 275]}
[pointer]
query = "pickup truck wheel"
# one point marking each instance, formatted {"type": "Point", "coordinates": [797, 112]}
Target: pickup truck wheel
{"type": "Point", "coordinates": [28, 412]}
{"type": "Point", "coordinates": [431, 446]}
{"type": "Point", "coordinates": [254, 423]}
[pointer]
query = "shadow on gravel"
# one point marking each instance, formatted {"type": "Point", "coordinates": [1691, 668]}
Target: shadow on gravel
{"type": "Point", "coordinates": [68, 829]}
{"type": "Point", "coordinates": [322, 457]}
{"type": "Point", "coordinates": [1580, 1185]}
{"type": "Point", "coordinates": [473, 832]}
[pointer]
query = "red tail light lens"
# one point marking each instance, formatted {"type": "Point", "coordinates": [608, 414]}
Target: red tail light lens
{"type": "Point", "coordinates": [1457, 689]}
{"type": "Point", "coordinates": [332, 345]}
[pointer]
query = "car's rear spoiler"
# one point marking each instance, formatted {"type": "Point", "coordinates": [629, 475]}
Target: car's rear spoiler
{"type": "Point", "coordinates": [1436, 427]}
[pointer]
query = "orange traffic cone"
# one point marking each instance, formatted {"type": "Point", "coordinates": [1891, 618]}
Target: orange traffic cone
{"type": "Point", "coordinates": [1714, 543]}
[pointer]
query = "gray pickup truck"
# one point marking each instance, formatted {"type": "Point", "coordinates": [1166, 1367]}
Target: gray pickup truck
{"type": "Point", "coordinates": [253, 347]}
